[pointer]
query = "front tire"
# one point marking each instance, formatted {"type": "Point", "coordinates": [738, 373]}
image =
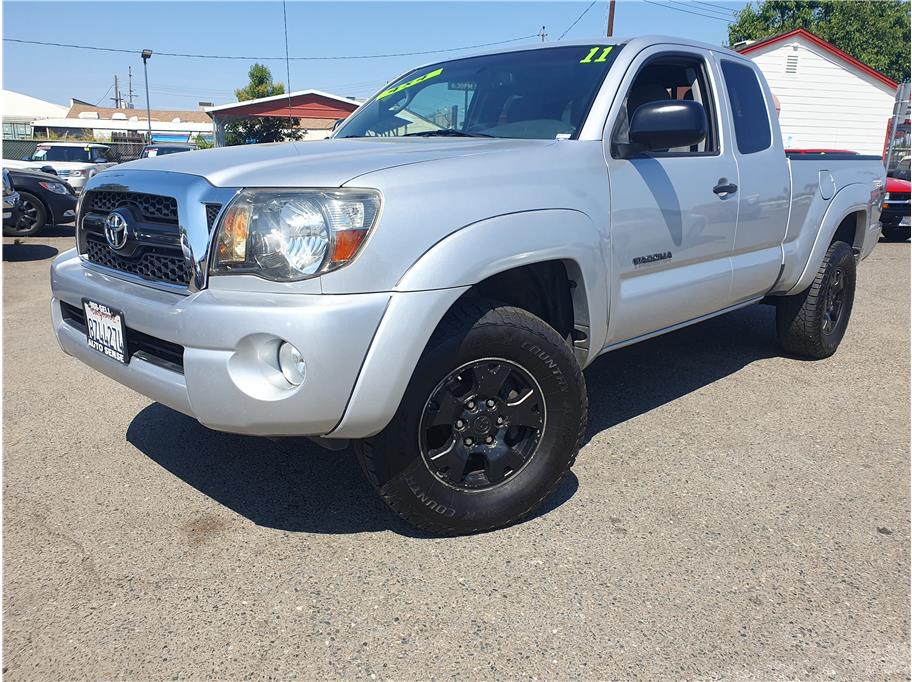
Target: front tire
{"type": "Point", "coordinates": [812, 323]}
{"type": "Point", "coordinates": [490, 423]}
{"type": "Point", "coordinates": [32, 217]}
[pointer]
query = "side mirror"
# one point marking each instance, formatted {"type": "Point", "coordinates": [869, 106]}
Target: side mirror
{"type": "Point", "coordinates": [657, 126]}
{"type": "Point", "coordinates": [337, 123]}
{"type": "Point", "coordinates": [48, 169]}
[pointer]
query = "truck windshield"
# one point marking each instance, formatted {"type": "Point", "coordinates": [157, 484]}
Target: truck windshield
{"type": "Point", "coordinates": [532, 94]}
{"type": "Point", "coordinates": [76, 154]}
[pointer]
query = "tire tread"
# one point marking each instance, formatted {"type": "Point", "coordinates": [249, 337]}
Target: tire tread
{"type": "Point", "coordinates": [466, 314]}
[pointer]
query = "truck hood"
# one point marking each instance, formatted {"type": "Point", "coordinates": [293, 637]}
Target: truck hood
{"type": "Point", "coordinates": [897, 185]}
{"type": "Point", "coordinates": [318, 163]}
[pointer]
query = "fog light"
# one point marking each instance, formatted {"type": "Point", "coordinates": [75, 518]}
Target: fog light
{"type": "Point", "coordinates": [292, 364]}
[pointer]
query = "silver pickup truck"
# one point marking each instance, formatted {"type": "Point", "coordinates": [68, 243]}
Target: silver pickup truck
{"type": "Point", "coordinates": [430, 283]}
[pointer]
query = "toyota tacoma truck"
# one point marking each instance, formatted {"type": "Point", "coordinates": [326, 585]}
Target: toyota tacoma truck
{"type": "Point", "coordinates": [429, 283]}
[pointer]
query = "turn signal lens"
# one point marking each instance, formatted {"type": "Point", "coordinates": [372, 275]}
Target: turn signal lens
{"type": "Point", "coordinates": [232, 243]}
{"type": "Point", "coordinates": [346, 244]}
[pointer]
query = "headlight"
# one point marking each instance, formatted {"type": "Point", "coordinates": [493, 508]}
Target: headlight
{"type": "Point", "coordinates": [289, 234]}
{"type": "Point", "coordinates": [55, 187]}
{"type": "Point", "coordinates": [77, 173]}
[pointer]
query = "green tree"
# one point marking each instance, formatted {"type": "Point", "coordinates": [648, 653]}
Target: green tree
{"type": "Point", "coordinates": [202, 143]}
{"type": "Point", "coordinates": [261, 129]}
{"type": "Point", "coordinates": [876, 33]}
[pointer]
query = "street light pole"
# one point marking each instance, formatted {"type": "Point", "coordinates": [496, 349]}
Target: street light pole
{"type": "Point", "coordinates": [145, 57]}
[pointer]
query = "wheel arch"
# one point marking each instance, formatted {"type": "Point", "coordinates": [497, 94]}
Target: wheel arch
{"type": "Point", "coordinates": [505, 256]}
{"type": "Point", "coordinates": [846, 218]}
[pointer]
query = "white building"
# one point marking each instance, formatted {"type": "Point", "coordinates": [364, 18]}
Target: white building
{"type": "Point", "coordinates": [104, 124]}
{"type": "Point", "coordinates": [828, 99]}
{"type": "Point", "coordinates": [19, 111]}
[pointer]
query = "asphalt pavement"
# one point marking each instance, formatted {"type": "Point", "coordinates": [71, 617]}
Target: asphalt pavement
{"type": "Point", "coordinates": [735, 514]}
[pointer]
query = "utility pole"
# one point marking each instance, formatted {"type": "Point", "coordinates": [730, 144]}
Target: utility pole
{"type": "Point", "coordinates": [145, 57]}
{"type": "Point", "coordinates": [542, 34]}
{"type": "Point", "coordinates": [610, 18]}
{"type": "Point", "coordinates": [116, 97]}
{"type": "Point", "coordinates": [130, 86]}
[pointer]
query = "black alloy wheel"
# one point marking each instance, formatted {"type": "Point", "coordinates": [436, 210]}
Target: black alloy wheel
{"type": "Point", "coordinates": [833, 307]}
{"type": "Point", "coordinates": [32, 217]}
{"type": "Point", "coordinates": [482, 424]}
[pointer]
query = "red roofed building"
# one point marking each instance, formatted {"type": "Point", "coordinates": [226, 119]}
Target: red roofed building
{"type": "Point", "coordinates": [828, 99]}
{"type": "Point", "coordinates": [318, 111]}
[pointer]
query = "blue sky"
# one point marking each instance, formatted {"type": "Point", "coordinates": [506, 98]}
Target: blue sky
{"type": "Point", "coordinates": [314, 29]}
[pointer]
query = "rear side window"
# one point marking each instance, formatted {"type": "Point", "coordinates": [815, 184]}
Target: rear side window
{"type": "Point", "coordinates": [752, 126]}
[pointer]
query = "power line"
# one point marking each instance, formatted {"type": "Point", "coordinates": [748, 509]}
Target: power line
{"type": "Point", "coordinates": [255, 58]}
{"type": "Point", "coordinates": [591, 5]}
{"type": "Point", "coordinates": [708, 16]}
{"type": "Point", "coordinates": [700, 9]}
{"type": "Point", "coordinates": [718, 8]}
{"type": "Point", "coordinates": [98, 103]}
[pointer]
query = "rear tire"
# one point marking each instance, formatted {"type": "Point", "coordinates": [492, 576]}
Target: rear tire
{"type": "Point", "coordinates": [486, 364]}
{"type": "Point", "coordinates": [812, 323]}
{"type": "Point", "coordinates": [32, 217]}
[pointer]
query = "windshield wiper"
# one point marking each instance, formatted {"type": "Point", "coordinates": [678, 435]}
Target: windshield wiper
{"type": "Point", "coordinates": [445, 132]}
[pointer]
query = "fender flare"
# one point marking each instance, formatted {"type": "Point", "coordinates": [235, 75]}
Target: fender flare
{"type": "Point", "coordinates": [425, 293]}
{"type": "Point", "coordinates": [850, 199]}
{"type": "Point", "coordinates": [542, 235]}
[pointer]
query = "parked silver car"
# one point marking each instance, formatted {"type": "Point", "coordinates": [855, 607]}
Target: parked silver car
{"type": "Point", "coordinates": [431, 282]}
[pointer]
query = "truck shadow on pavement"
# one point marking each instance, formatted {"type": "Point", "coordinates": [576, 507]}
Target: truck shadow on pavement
{"type": "Point", "coordinates": [631, 381]}
{"type": "Point", "coordinates": [294, 485]}
{"type": "Point", "coordinates": [287, 484]}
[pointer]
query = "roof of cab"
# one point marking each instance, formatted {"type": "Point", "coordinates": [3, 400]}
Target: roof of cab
{"type": "Point", "coordinates": [54, 143]}
{"type": "Point", "coordinates": [636, 43]}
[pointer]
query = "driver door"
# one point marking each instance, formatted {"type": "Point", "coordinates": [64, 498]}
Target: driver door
{"type": "Point", "coordinates": [672, 229]}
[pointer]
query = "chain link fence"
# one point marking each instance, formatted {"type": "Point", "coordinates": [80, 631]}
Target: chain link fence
{"type": "Point", "coordinates": [123, 150]}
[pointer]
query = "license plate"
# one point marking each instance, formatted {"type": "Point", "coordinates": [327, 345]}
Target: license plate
{"type": "Point", "coordinates": [105, 330]}
{"type": "Point", "coordinates": [907, 221]}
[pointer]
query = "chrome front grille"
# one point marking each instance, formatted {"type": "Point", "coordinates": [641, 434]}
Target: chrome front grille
{"type": "Point", "coordinates": [153, 249]}
{"type": "Point", "coordinates": [169, 217]}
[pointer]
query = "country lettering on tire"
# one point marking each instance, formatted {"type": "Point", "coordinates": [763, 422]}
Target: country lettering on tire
{"type": "Point", "coordinates": [550, 363]}
{"type": "Point", "coordinates": [426, 500]}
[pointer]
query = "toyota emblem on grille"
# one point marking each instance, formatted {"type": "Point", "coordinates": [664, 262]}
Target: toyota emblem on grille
{"type": "Point", "coordinates": [115, 229]}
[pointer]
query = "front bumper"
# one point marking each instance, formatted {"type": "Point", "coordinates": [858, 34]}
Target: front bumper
{"type": "Point", "coordinates": [228, 380]}
{"type": "Point", "coordinates": [11, 208]}
{"type": "Point", "coordinates": [62, 207]}
{"type": "Point", "coordinates": [893, 212]}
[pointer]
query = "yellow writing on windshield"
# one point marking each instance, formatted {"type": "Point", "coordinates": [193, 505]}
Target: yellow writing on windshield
{"type": "Point", "coordinates": [588, 59]}
{"type": "Point", "coordinates": [402, 86]}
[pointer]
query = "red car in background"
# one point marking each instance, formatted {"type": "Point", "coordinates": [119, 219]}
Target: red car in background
{"type": "Point", "coordinates": [894, 213]}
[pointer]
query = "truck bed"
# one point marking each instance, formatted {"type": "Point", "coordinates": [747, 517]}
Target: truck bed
{"type": "Point", "coordinates": [816, 179]}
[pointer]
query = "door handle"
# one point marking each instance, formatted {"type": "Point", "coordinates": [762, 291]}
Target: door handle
{"type": "Point", "coordinates": [725, 187]}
